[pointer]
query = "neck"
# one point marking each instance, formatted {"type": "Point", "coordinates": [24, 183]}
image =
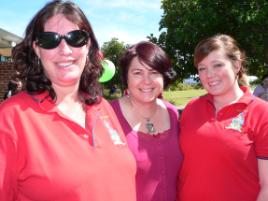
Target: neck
{"type": "Point", "coordinates": [231, 97]}
{"type": "Point", "coordinates": [66, 94]}
{"type": "Point", "coordinates": [145, 110]}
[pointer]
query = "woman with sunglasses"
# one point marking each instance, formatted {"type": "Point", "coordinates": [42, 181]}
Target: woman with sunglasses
{"type": "Point", "coordinates": [59, 139]}
{"type": "Point", "coordinates": [224, 134]}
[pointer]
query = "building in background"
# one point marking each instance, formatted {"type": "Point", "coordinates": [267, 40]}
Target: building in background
{"type": "Point", "coordinates": [7, 42]}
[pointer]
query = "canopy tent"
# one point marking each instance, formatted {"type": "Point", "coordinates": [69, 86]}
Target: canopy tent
{"type": "Point", "coordinates": [7, 41]}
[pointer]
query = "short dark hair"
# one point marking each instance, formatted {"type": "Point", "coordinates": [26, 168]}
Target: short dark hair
{"type": "Point", "coordinates": [26, 62]}
{"type": "Point", "coordinates": [150, 54]}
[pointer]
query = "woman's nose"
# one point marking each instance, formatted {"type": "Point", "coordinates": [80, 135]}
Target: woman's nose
{"type": "Point", "coordinates": [147, 78]}
{"type": "Point", "coordinates": [64, 48]}
{"type": "Point", "coordinates": [210, 72]}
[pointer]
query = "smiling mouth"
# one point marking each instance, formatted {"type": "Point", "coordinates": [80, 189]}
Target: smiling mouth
{"type": "Point", "coordinates": [65, 64]}
{"type": "Point", "coordinates": [146, 90]}
{"type": "Point", "coordinates": [213, 84]}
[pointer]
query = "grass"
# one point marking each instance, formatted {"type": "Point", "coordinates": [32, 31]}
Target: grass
{"type": "Point", "coordinates": [181, 98]}
{"type": "Point", "coordinates": [178, 98]}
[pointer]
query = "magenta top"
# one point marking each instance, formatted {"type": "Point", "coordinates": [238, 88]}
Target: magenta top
{"type": "Point", "coordinates": [158, 158]}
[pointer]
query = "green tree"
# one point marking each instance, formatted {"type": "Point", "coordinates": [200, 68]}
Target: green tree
{"type": "Point", "coordinates": [112, 50]}
{"type": "Point", "coordinates": [185, 22]}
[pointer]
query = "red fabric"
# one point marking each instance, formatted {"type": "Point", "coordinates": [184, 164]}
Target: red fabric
{"type": "Point", "coordinates": [46, 156]}
{"type": "Point", "coordinates": [220, 150]}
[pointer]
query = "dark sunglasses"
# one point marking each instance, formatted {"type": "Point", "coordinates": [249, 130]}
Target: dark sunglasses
{"type": "Point", "coordinates": [50, 40]}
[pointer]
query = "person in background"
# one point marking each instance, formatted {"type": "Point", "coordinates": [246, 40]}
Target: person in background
{"type": "Point", "coordinates": [224, 134]}
{"type": "Point", "coordinates": [14, 86]}
{"type": "Point", "coordinates": [261, 90]}
{"type": "Point", "coordinates": [150, 123]}
{"type": "Point", "coordinates": [59, 139]}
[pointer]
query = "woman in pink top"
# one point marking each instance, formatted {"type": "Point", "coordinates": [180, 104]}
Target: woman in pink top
{"type": "Point", "coordinates": [149, 122]}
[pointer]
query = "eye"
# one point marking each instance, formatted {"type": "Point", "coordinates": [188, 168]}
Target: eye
{"type": "Point", "coordinates": [218, 65]}
{"type": "Point", "coordinates": [136, 72]}
{"type": "Point", "coordinates": [200, 68]}
{"type": "Point", "coordinates": [155, 72]}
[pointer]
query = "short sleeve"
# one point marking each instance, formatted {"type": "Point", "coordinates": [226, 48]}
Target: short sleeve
{"type": "Point", "coordinates": [258, 124]}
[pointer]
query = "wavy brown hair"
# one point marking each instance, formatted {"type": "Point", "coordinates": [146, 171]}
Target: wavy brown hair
{"type": "Point", "coordinates": [30, 69]}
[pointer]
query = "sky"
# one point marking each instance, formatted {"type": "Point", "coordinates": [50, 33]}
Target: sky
{"type": "Point", "coordinates": [128, 20]}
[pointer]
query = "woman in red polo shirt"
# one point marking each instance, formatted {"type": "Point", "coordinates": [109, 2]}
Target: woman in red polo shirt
{"type": "Point", "coordinates": [224, 134]}
{"type": "Point", "coordinates": [59, 139]}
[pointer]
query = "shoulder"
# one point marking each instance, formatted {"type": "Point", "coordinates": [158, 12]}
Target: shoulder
{"type": "Point", "coordinates": [114, 103]}
{"type": "Point", "coordinates": [258, 106]}
{"type": "Point", "coordinates": [171, 107]}
{"type": "Point", "coordinates": [194, 106]}
{"type": "Point", "coordinates": [106, 106]}
{"type": "Point", "coordinates": [197, 102]}
{"type": "Point", "coordinates": [15, 102]}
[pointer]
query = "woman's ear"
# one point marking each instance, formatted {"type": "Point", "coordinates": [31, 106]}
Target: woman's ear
{"type": "Point", "coordinates": [237, 66]}
{"type": "Point", "coordinates": [36, 49]}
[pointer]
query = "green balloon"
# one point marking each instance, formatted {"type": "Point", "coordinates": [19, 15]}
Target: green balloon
{"type": "Point", "coordinates": [108, 70]}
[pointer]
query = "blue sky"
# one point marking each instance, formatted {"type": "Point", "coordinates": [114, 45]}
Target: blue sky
{"type": "Point", "coordinates": [128, 20]}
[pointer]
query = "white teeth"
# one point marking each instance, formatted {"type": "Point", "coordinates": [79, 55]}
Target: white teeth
{"type": "Point", "coordinates": [212, 83]}
{"type": "Point", "coordinates": [146, 90]}
{"type": "Point", "coordinates": [64, 64]}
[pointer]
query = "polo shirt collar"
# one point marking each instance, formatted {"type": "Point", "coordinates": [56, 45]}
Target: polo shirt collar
{"type": "Point", "coordinates": [245, 99]}
{"type": "Point", "coordinates": [44, 101]}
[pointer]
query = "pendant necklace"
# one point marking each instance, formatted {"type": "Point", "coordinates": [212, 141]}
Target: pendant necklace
{"type": "Point", "coordinates": [148, 125]}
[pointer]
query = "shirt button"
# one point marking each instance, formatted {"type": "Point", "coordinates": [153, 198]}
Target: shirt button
{"type": "Point", "coordinates": [85, 136]}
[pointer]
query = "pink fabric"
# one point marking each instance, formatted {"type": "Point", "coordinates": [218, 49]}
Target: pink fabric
{"type": "Point", "coordinates": [158, 158]}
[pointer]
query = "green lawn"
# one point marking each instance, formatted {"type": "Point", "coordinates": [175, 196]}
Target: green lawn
{"type": "Point", "coordinates": [178, 98]}
{"type": "Point", "coordinates": [181, 98]}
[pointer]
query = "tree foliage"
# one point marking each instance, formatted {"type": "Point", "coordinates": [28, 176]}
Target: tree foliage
{"type": "Point", "coordinates": [112, 50]}
{"type": "Point", "coordinates": [185, 22]}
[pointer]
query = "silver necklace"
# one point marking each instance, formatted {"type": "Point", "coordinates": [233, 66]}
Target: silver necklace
{"type": "Point", "coordinates": [148, 125]}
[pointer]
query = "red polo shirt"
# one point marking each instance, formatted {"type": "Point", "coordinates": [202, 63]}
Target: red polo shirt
{"type": "Point", "coordinates": [221, 150]}
{"type": "Point", "coordinates": [44, 155]}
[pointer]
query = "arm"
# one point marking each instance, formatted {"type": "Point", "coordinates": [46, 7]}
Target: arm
{"type": "Point", "coordinates": [263, 175]}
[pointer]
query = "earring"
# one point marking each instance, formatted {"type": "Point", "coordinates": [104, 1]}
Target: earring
{"type": "Point", "coordinates": [126, 92]}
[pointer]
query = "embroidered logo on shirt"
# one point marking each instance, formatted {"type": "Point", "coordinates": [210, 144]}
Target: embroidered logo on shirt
{"type": "Point", "coordinates": [113, 134]}
{"type": "Point", "coordinates": [237, 122]}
